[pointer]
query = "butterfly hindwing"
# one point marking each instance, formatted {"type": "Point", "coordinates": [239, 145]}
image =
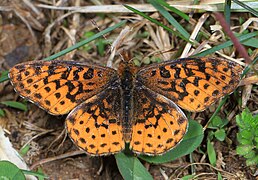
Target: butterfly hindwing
{"type": "Point", "coordinates": [95, 125]}
{"type": "Point", "coordinates": [158, 124]}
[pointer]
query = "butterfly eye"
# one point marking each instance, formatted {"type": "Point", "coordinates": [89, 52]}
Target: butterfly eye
{"type": "Point", "coordinates": [99, 73]}
{"type": "Point", "coordinates": [153, 73]}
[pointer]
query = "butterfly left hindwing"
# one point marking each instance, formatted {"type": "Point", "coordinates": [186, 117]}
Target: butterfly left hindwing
{"type": "Point", "coordinates": [95, 125]}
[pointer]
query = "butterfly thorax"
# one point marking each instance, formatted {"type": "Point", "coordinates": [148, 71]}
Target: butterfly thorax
{"type": "Point", "coordinates": [127, 73]}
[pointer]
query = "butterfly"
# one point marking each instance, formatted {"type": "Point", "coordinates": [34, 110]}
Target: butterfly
{"type": "Point", "coordinates": [141, 106]}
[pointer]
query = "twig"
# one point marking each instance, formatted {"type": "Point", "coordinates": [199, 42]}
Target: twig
{"type": "Point", "coordinates": [62, 156]}
{"type": "Point", "coordinates": [207, 164]}
{"type": "Point", "coordinates": [194, 34]}
{"type": "Point", "coordinates": [184, 6]}
{"type": "Point", "coordinates": [117, 43]}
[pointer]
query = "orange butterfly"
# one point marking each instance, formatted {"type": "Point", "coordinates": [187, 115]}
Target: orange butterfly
{"type": "Point", "coordinates": [138, 106]}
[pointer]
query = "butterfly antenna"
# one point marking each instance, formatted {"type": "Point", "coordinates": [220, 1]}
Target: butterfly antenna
{"type": "Point", "coordinates": [96, 26]}
{"type": "Point", "coordinates": [126, 56]}
{"type": "Point", "coordinates": [111, 47]}
{"type": "Point", "coordinates": [115, 45]}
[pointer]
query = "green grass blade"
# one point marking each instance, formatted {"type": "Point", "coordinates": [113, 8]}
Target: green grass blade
{"type": "Point", "coordinates": [170, 19]}
{"type": "Point", "coordinates": [156, 22]}
{"type": "Point", "coordinates": [15, 104]}
{"type": "Point", "coordinates": [175, 10]}
{"type": "Point", "coordinates": [227, 10]}
{"type": "Point", "coordinates": [226, 44]}
{"type": "Point", "coordinates": [251, 42]}
{"type": "Point", "coordinates": [3, 76]}
{"type": "Point", "coordinates": [249, 66]}
{"type": "Point", "coordinates": [82, 43]}
{"type": "Point", "coordinates": [2, 113]}
{"type": "Point", "coordinates": [248, 8]}
{"type": "Point", "coordinates": [39, 175]}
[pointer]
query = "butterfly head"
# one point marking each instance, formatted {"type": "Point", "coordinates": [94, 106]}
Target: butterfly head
{"type": "Point", "coordinates": [126, 64]}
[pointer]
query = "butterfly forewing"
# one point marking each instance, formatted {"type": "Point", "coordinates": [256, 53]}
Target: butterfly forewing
{"type": "Point", "coordinates": [59, 86]}
{"type": "Point", "coordinates": [95, 126]}
{"type": "Point", "coordinates": [192, 83]}
{"type": "Point", "coordinates": [158, 124]}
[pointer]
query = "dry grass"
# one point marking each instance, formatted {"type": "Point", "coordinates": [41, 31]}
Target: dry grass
{"type": "Point", "coordinates": [37, 29]}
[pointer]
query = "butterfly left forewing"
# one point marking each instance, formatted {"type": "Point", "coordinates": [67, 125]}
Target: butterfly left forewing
{"type": "Point", "coordinates": [192, 83]}
{"type": "Point", "coordinates": [59, 86]}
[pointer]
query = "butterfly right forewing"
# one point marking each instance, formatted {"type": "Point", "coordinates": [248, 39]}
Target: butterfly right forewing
{"type": "Point", "coordinates": [192, 83]}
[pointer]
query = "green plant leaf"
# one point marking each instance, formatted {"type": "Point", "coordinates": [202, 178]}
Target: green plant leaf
{"type": "Point", "coordinates": [252, 162]}
{"type": "Point", "coordinates": [244, 149]}
{"type": "Point", "coordinates": [87, 47]}
{"type": "Point", "coordinates": [256, 141]}
{"type": "Point", "coordinates": [15, 104]}
{"type": "Point", "coordinates": [217, 122]}
{"type": "Point", "coordinates": [131, 168]}
{"type": "Point", "coordinates": [10, 171]}
{"type": "Point", "coordinates": [220, 134]}
{"type": "Point", "coordinates": [240, 122]}
{"type": "Point", "coordinates": [191, 141]}
{"type": "Point", "coordinates": [188, 177]}
{"type": "Point", "coordinates": [210, 135]}
{"type": "Point", "coordinates": [3, 76]}
{"type": "Point", "coordinates": [88, 34]}
{"type": "Point", "coordinates": [101, 46]}
{"type": "Point", "coordinates": [219, 176]}
{"type": "Point", "coordinates": [246, 134]}
{"type": "Point", "coordinates": [250, 155]}
{"type": "Point", "coordinates": [2, 113]}
{"type": "Point", "coordinates": [243, 141]}
{"type": "Point", "coordinates": [211, 153]}
{"type": "Point", "coordinates": [247, 121]}
{"type": "Point", "coordinates": [24, 150]}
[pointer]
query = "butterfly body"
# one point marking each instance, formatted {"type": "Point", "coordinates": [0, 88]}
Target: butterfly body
{"type": "Point", "coordinates": [127, 80]}
{"type": "Point", "coordinates": [139, 106]}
